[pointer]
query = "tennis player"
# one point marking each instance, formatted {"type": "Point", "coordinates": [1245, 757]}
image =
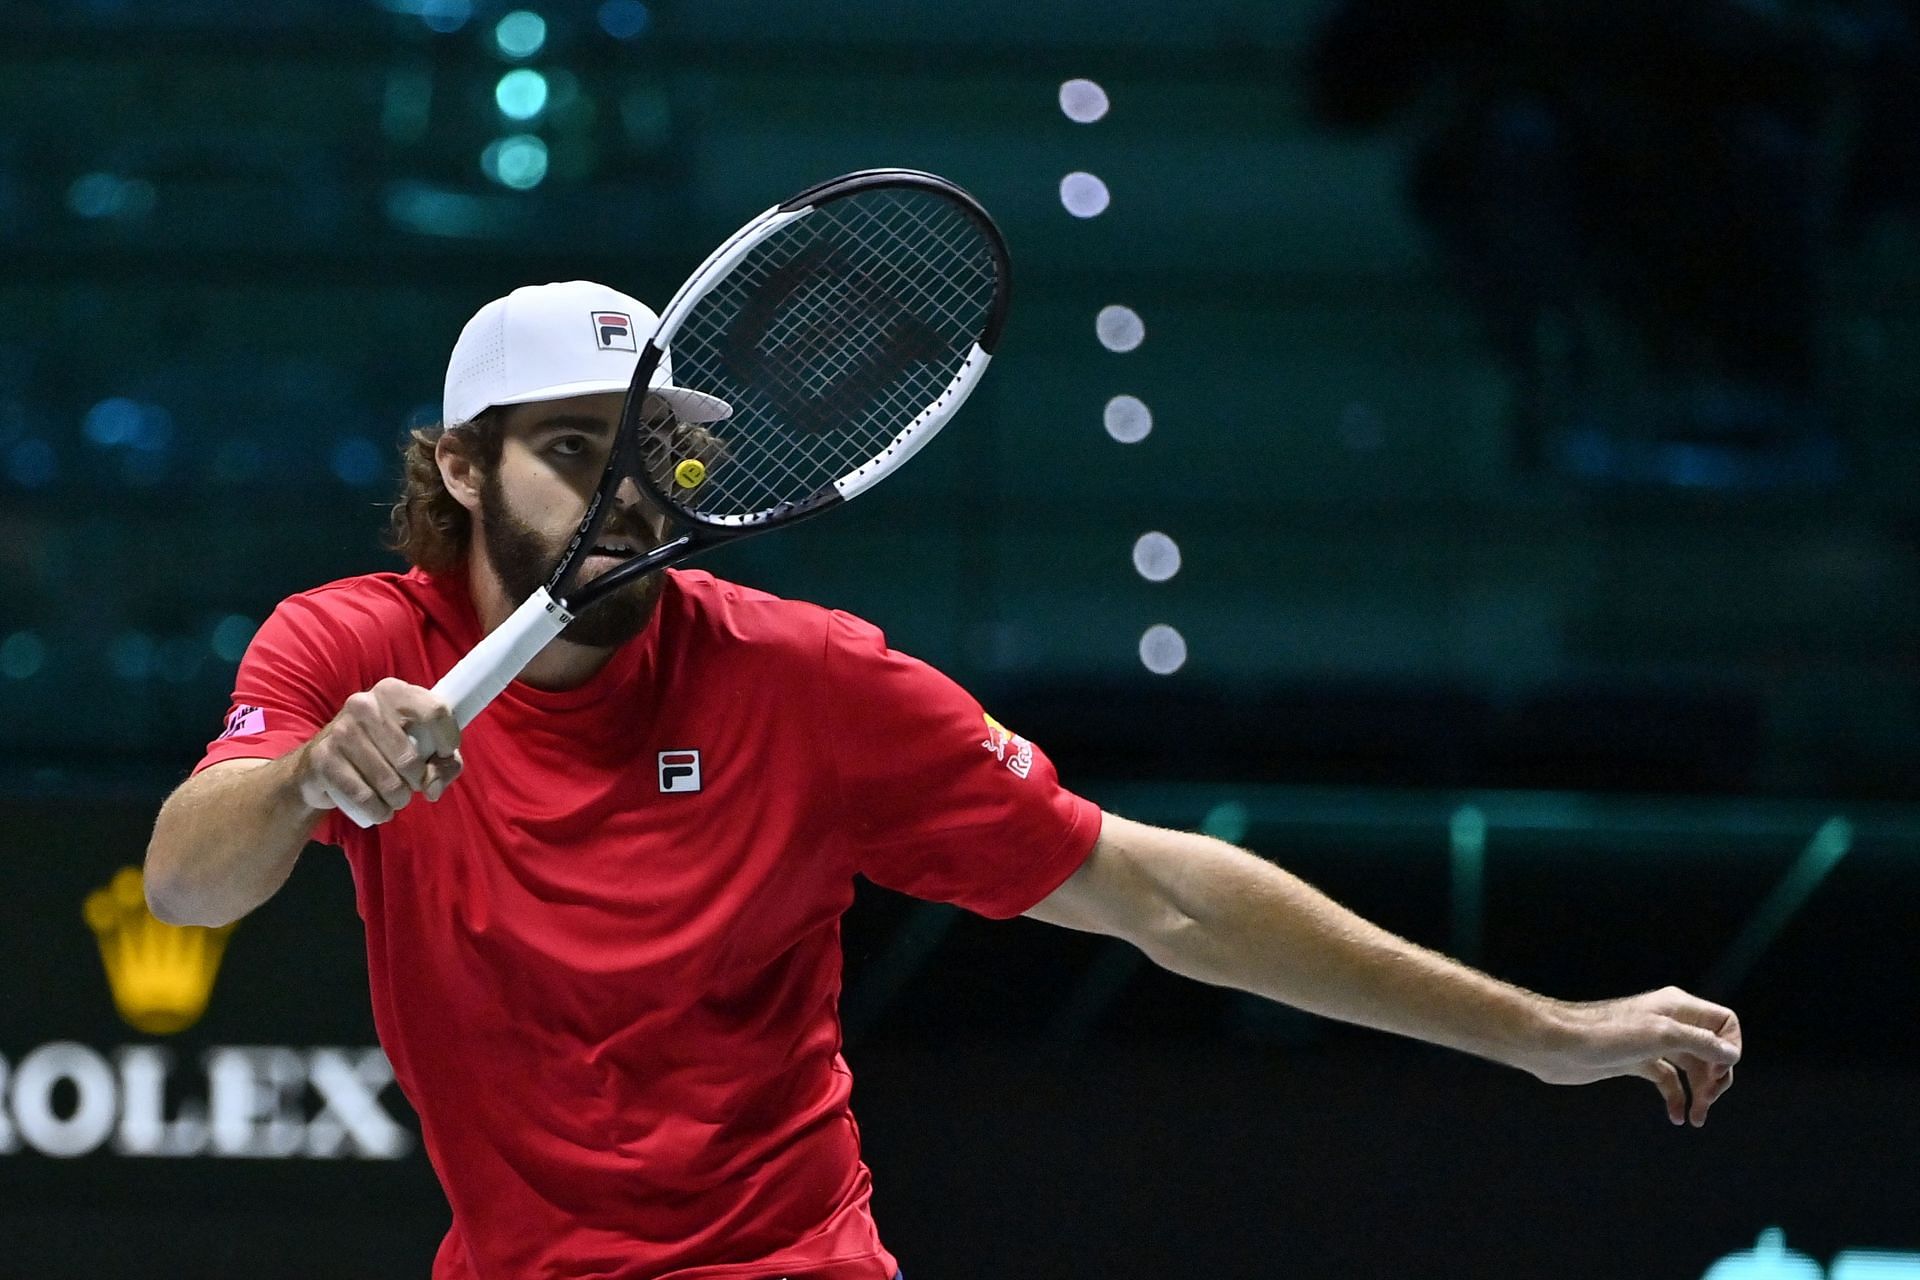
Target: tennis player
{"type": "Point", "coordinates": [605, 965]}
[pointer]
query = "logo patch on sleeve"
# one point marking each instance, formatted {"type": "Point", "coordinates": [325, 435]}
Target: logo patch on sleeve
{"type": "Point", "coordinates": [243, 720]}
{"type": "Point", "coordinates": [1008, 747]}
{"type": "Point", "coordinates": [613, 330]}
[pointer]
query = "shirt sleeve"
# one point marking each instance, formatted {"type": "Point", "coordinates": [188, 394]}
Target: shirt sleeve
{"type": "Point", "coordinates": [295, 675]}
{"type": "Point", "coordinates": [940, 800]}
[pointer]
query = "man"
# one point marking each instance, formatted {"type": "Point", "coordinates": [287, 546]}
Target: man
{"type": "Point", "coordinates": [606, 964]}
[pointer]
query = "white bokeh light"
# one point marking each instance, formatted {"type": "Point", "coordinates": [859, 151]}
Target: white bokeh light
{"type": "Point", "coordinates": [1156, 556]}
{"type": "Point", "coordinates": [1120, 328]}
{"type": "Point", "coordinates": [1084, 195]}
{"type": "Point", "coordinates": [1128, 419]}
{"type": "Point", "coordinates": [1163, 650]}
{"type": "Point", "coordinates": [1083, 101]}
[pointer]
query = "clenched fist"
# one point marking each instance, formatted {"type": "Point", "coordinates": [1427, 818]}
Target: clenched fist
{"type": "Point", "coordinates": [366, 763]}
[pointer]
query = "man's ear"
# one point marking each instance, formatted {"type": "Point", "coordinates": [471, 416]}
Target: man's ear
{"type": "Point", "coordinates": [458, 471]}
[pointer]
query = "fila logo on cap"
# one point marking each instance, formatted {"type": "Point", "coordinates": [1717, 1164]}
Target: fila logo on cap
{"type": "Point", "coordinates": [613, 330]}
{"type": "Point", "coordinates": [679, 771]}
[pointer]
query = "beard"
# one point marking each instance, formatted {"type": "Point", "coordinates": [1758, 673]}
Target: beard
{"type": "Point", "coordinates": [525, 562]}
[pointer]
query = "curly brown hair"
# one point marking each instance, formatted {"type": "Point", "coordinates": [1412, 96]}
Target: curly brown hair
{"type": "Point", "coordinates": [427, 525]}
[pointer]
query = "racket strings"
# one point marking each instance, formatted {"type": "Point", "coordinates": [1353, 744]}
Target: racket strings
{"type": "Point", "coordinates": [828, 340]}
{"type": "Point", "coordinates": [820, 457]}
{"type": "Point", "coordinates": [868, 296]}
{"type": "Point", "coordinates": [913, 260]}
{"type": "Point", "coordinates": [906, 264]}
{"type": "Point", "coordinates": [828, 327]}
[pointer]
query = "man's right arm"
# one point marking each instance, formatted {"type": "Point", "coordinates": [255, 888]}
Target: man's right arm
{"type": "Point", "coordinates": [227, 838]}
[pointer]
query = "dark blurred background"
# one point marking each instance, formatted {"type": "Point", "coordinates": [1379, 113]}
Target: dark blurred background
{"type": "Point", "coordinates": [1523, 400]}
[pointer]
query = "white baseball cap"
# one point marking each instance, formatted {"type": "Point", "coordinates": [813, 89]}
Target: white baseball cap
{"type": "Point", "coordinates": [550, 341]}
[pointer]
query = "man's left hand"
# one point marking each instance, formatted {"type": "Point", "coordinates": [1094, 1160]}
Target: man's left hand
{"type": "Point", "coordinates": [1665, 1036]}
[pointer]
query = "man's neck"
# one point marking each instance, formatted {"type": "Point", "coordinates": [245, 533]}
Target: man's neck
{"type": "Point", "coordinates": [562, 664]}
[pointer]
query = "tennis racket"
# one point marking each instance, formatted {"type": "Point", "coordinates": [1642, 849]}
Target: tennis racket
{"type": "Point", "coordinates": [845, 326]}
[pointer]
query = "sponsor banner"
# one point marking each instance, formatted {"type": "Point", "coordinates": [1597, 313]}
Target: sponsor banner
{"type": "Point", "coordinates": [66, 1098]}
{"type": "Point", "coordinates": [273, 1102]}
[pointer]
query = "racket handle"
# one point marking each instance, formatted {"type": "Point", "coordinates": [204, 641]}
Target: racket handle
{"type": "Point", "coordinates": [491, 666]}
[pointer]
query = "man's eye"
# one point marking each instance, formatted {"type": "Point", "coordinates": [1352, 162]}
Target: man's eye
{"type": "Point", "coordinates": [569, 446]}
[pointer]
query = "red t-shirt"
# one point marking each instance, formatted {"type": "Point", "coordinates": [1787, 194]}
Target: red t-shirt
{"type": "Point", "coordinates": [606, 964]}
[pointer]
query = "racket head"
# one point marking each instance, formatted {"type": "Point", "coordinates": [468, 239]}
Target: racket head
{"type": "Point", "coordinates": [844, 327]}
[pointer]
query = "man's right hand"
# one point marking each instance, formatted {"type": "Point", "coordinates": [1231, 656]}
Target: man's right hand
{"type": "Point", "coordinates": [365, 764]}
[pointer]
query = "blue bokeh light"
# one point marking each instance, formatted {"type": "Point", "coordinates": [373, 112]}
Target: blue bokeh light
{"type": "Point", "coordinates": [356, 461]}
{"type": "Point", "coordinates": [446, 16]}
{"type": "Point", "coordinates": [520, 34]}
{"type": "Point", "coordinates": [119, 421]}
{"type": "Point", "coordinates": [115, 420]}
{"type": "Point", "coordinates": [155, 429]}
{"type": "Point", "coordinates": [521, 94]}
{"type": "Point", "coordinates": [518, 161]}
{"type": "Point", "coordinates": [32, 464]}
{"type": "Point", "coordinates": [22, 654]}
{"type": "Point", "coordinates": [93, 195]}
{"type": "Point", "coordinates": [625, 19]}
{"type": "Point", "coordinates": [105, 195]}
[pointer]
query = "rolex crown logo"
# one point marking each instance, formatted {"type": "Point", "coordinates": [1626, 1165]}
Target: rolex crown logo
{"type": "Point", "coordinates": [161, 974]}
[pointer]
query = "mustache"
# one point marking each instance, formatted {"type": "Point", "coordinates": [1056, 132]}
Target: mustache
{"type": "Point", "coordinates": [627, 524]}
{"type": "Point", "coordinates": [642, 521]}
{"type": "Point", "coordinates": [637, 529]}
{"type": "Point", "coordinates": [634, 523]}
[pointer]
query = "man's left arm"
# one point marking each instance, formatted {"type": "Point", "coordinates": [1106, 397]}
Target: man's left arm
{"type": "Point", "coordinates": [1218, 914]}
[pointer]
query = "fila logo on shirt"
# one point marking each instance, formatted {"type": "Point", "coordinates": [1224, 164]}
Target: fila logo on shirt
{"type": "Point", "coordinates": [679, 771]}
{"type": "Point", "coordinates": [613, 330]}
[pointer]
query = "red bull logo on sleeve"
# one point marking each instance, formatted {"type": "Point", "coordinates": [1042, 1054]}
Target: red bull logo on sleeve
{"type": "Point", "coordinates": [1008, 747]}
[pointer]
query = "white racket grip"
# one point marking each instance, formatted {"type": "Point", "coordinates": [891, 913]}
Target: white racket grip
{"type": "Point", "coordinates": [478, 678]}
{"type": "Point", "coordinates": [489, 667]}
{"type": "Point", "coordinates": [346, 806]}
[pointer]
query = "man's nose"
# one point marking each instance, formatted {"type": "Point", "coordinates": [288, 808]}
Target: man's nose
{"type": "Point", "coordinates": [631, 503]}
